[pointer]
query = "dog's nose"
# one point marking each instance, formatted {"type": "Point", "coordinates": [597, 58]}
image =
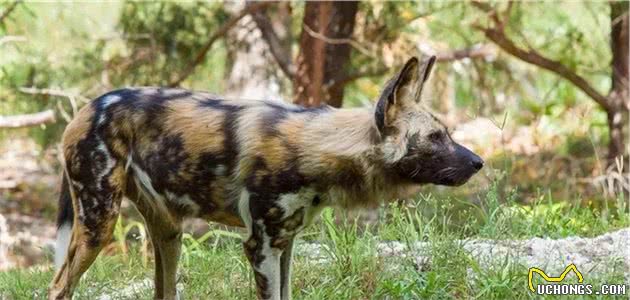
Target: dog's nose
{"type": "Point", "coordinates": [477, 163]}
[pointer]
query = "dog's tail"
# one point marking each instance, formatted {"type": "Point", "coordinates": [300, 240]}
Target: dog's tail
{"type": "Point", "coordinates": [65, 218]}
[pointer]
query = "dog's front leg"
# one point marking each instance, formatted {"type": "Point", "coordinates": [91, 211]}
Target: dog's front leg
{"type": "Point", "coordinates": [285, 271]}
{"type": "Point", "coordinates": [265, 262]}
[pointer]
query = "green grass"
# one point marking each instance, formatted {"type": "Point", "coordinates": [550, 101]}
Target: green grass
{"type": "Point", "coordinates": [214, 267]}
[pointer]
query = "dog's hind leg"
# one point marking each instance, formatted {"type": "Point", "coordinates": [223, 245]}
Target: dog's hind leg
{"type": "Point", "coordinates": [165, 233]}
{"type": "Point", "coordinates": [166, 240]}
{"type": "Point", "coordinates": [169, 243]}
{"type": "Point", "coordinates": [96, 204]}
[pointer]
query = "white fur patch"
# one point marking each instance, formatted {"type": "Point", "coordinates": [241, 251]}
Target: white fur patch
{"type": "Point", "coordinates": [270, 266]}
{"type": "Point", "coordinates": [61, 244]}
{"type": "Point", "coordinates": [79, 187]}
{"type": "Point", "coordinates": [109, 100]}
{"type": "Point", "coordinates": [220, 170]}
{"type": "Point", "coordinates": [110, 163]}
{"type": "Point", "coordinates": [128, 163]}
{"type": "Point", "coordinates": [144, 179]}
{"type": "Point", "coordinates": [294, 201]}
{"type": "Point", "coordinates": [302, 199]}
{"type": "Point", "coordinates": [144, 184]}
{"type": "Point", "coordinates": [394, 149]}
{"type": "Point", "coordinates": [246, 215]}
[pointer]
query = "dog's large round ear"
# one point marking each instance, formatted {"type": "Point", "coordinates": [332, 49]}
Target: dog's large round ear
{"type": "Point", "coordinates": [424, 72]}
{"type": "Point", "coordinates": [398, 90]}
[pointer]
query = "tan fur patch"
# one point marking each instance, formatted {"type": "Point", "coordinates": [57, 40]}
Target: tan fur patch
{"type": "Point", "coordinates": [77, 129]}
{"type": "Point", "coordinates": [292, 128]}
{"type": "Point", "coordinates": [276, 155]}
{"type": "Point", "coordinates": [344, 133]}
{"type": "Point", "coordinates": [200, 129]}
{"type": "Point", "coordinates": [226, 218]}
{"type": "Point", "coordinates": [118, 179]}
{"type": "Point", "coordinates": [249, 138]}
{"type": "Point", "coordinates": [119, 148]}
{"type": "Point", "coordinates": [259, 175]}
{"type": "Point", "coordinates": [219, 191]}
{"type": "Point", "coordinates": [123, 124]}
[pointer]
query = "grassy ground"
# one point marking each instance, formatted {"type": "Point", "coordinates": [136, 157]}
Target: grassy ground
{"type": "Point", "coordinates": [213, 267]}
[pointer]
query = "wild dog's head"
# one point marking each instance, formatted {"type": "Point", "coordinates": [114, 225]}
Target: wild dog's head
{"type": "Point", "coordinates": [415, 145]}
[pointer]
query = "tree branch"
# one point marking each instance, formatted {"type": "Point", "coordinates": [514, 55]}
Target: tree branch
{"type": "Point", "coordinates": [497, 36]}
{"type": "Point", "coordinates": [201, 55]}
{"type": "Point", "coordinates": [476, 51]}
{"type": "Point", "coordinates": [533, 57]}
{"type": "Point", "coordinates": [360, 74]}
{"type": "Point", "coordinates": [280, 53]}
{"type": "Point", "coordinates": [336, 41]}
{"type": "Point", "coordinates": [57, 93]}
{"type": "Point", "coordinates": [8, 11]}
{"type": "Point", "coordinates": [27, 120]}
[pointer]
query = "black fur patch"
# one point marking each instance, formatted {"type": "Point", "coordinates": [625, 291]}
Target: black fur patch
{"type": "Point", "coordinates": [298, 109]}
{"type": "Point", "coordinates": [66, 213]}
{"type": "Point", "coordinates": [274, 117]}
{"type": "Point", "coordinates": [262, 285]}
{"type": "Point", "coordinates": [253, 246]}
{"type": "Point", "coordinates": [265, 193]}
{"type": "Point", "coordinates": [97, 202]}
{"type": "Point", "coordinates": [229, 127]}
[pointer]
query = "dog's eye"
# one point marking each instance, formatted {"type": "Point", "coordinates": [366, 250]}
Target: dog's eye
{"type": "Point", "coordinates": [436, 136]}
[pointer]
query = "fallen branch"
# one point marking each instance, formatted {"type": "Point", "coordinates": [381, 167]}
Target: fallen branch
{"type": "Point", "coordinates": [57, 93]}
{"type": "Point", "coordinates": [27, 120]}
{"type": "Point", "coordinates": [12, 39]}
{"type": "Point", "coordinates": [52, 92]}
{"type": "Point", "coordinates": [201, 55]}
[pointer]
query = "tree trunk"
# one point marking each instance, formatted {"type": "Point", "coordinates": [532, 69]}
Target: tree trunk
{"type": "Point", "coordinates": [323, 54]}
{"type": "Point", "coordinates": [618, 98]}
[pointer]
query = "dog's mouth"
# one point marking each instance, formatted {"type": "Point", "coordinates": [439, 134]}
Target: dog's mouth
{"type": "Point", "coordinates": [452, 181]}
{"type": "Point", "coordinates": [454, 176]}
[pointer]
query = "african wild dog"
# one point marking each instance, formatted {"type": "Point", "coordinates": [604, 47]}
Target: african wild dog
{"type": "Point", "coordinates": [266, 166]}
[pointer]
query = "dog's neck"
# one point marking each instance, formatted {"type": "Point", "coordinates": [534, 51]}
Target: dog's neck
{"type": "Point", "coordinates": [339, 149]}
